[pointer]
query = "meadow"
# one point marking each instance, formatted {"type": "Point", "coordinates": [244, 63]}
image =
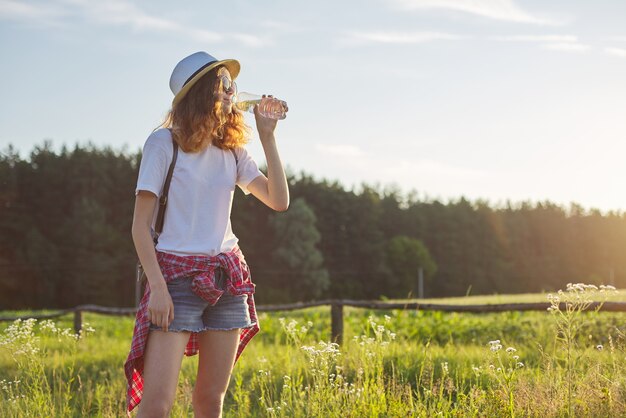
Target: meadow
{"type": "Point", "coordinates": [561, 363]}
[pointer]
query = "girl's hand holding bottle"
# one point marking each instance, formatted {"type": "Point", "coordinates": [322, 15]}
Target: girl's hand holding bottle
{"type": "Point", "coordinates": [268, 106]}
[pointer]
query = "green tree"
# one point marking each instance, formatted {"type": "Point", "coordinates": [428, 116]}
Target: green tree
{"type": "Point", "coordinates": [405, 256]}
{"type": "Point", "coordinates": [299, 265]}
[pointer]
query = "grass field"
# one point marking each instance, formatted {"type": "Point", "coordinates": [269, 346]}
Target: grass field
{"type": "Point", "coordinates": [392, 364]}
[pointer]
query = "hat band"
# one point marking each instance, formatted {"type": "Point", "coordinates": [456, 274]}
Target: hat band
{"type": "Point", "coordinates": [198, 71]}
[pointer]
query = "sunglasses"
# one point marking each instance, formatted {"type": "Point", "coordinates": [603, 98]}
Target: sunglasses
{"type": "Point", "coordinates": [227, 84]}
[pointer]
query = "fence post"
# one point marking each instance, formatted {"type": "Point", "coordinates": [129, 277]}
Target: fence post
{"type": "Point", "coordinates": [78, 321]}
{"type": "Point", "coordinates": [336, 322]}
{"type": "Point", "coordinates": [137, 293]}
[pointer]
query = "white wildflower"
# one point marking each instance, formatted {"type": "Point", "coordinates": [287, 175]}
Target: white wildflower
{"type": "Point", "coordinates": [444, 367]}
{"type": "Point", "coordinates": [495, 346]}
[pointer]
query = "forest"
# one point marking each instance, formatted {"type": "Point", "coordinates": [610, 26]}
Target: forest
{"type": "Point", "coordinates": [65, 221]}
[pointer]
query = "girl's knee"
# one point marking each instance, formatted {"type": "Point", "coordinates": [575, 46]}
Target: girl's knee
{"type": "Point", "coordinates": [207, 403]}
{"type": "Point", "coordinates": [156, 408]}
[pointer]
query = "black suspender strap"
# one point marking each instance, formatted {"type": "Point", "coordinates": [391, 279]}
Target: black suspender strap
{"type": "Point", "coordinates": [158, 226]}
{"type": "Point", "coordinates": [232, 150]}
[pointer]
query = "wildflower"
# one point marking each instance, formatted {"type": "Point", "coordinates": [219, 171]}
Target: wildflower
{"type": "Point", "coordinates": [519, 365]}
{"type": "Point", "coordinates": [48, 325]}
{"type": "Point", "coordinates": [495, 346]}
{"type": "Point", "coordinates": [599, 347]}
{"type": "Point", "coordinates": [444, 367]}
{"type": "Point", "coordinates": [510, 350]}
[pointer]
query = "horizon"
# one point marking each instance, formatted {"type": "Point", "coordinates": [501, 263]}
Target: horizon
{"type": "Point", "coordinates": [495, 100]}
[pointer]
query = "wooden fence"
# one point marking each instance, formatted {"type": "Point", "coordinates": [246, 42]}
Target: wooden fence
{"type": "Point", "coordinates": [336, 310]}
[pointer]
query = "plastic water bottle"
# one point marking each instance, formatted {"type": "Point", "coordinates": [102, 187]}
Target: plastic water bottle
{"type": "Point", "coordinates": [269, 107]}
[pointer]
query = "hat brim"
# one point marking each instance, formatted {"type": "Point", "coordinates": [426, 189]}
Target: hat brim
{"type": "Point", "coordinates": [231, 65]}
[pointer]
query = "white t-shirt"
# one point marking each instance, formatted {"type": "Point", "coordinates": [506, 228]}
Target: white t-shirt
{"type": "Point", "coordinates": [197, 218]}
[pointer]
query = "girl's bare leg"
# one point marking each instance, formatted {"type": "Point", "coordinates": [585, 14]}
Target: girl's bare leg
{"type": "Point", "coordinates": [217, 357]}
{"type": "Point", "coordinates": [162, 360]}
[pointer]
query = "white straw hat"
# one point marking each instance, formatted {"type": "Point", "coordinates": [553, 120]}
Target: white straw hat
{"type": "Point", "coordinates": [191, 68]}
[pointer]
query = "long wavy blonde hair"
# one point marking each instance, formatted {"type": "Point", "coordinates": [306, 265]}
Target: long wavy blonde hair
{"type": "Point", "coordinates": [197, 120]}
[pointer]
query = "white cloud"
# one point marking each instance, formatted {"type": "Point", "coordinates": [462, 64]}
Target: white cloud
{"type": "Point", "coordinates": [618, 52]}
{"type": "Point", "coordinates": [122, 12]}
{"type": "Point", "coordinates": [116, 13]}
{"type": "Point", "coordinates": [536, 38]}
{"type": "Point", "coordinates": [566, 43]}
{"type": "Point", "coordinates": [32, 13]}
{"type": "Point", "coordinates": [380, 37]}
{"type": "Point", "coordinates": [567, 47]}
{"type": "Point", "coordinates": [505, 10]}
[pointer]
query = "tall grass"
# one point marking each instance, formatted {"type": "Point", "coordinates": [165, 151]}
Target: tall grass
{"type": "Point", "coordinates": [392, 364]}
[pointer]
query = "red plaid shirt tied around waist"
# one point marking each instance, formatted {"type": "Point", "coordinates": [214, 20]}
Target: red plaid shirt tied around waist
{"type": "Point", "coordinates": [202, 269]}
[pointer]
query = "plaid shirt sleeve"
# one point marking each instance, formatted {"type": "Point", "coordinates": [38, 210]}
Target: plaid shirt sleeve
{"type": "Point", "coordinates": [202, 269]}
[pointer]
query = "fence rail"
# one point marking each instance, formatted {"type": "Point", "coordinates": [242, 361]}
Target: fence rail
{"type": "Point", "coordinates": [336, 310]}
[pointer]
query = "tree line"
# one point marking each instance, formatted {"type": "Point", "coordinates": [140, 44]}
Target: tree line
{"type": "Point", "coordinates": [65, 220]}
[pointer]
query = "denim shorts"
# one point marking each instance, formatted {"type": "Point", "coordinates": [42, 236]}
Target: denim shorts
{"type": "Point", "coordinates": [192, 313]}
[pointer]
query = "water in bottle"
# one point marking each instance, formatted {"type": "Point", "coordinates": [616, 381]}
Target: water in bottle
{"type": "Point", "coordinates": [269, 107]}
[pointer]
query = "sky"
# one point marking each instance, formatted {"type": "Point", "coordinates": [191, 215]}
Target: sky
{"type": "Point", "coordinates": [498, 100]}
